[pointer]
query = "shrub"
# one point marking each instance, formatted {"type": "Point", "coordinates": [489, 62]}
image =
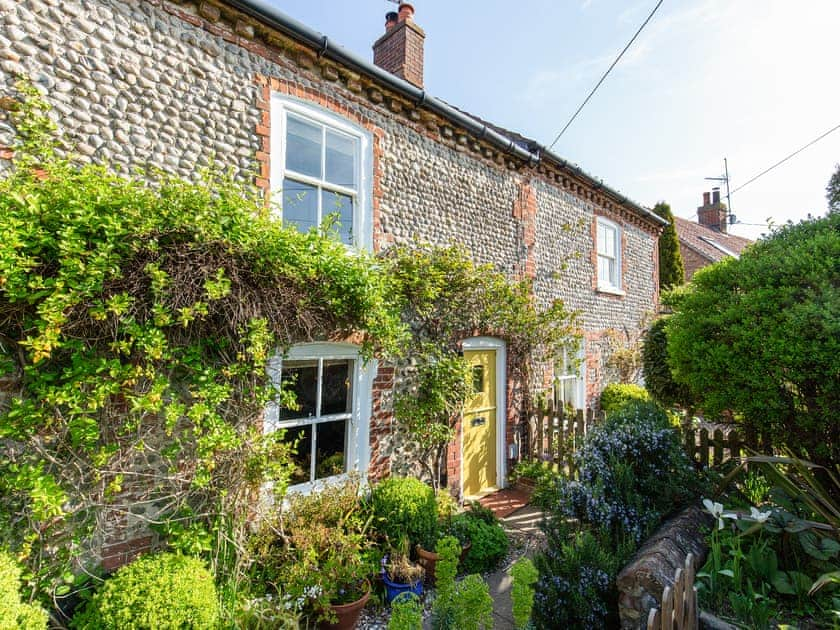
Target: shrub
{"type": "Point", "coordinates": [488, 538]}
{"type": "Point", "coordinates": [659, 380]}
{"type": "Point", "coordinates": [324, 554]}
{"type": "Point", "coordinates": [632, 470]}
{"type": "Point", "coordinates": [525, 576]}
{"type": "Point", "coordinates": [617, 395]}
{"type": "Point", "coordinates": [760, 336]}
{"type": "Point", "coordinates": [472, 605]}
{"type": "Point", "coordinates": [406, 613]}
{"type": "Point", "coordinates": [463, 605]}
{"type": "Point", "coordinates": [157, 592]}
{"type": "Point", "coordinates": [575, 588]}
{"type": "Point", "coordinates": [14, 614]}
{"type": "Point", "coordinates": [405, 507]}
{"type": "Point", "coordinates": [140, 309]}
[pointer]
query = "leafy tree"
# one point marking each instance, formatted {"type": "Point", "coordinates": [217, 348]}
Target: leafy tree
{"type": "Point", "coordinates": [832, 191]}
{"type": "Point", "coordinates": [760, 336]}
{"type": "Point", "coordinates": [671, 267]}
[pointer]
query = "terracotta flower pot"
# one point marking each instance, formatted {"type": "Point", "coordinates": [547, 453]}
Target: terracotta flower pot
{"type": "Point", "coordinates": [348, 614]}
{"type": "Point", "coordinates": [428, 560]}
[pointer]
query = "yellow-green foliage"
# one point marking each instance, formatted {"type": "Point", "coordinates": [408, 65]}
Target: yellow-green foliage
{"type": "Point", "coordinates": [406, 613]}
{"type": "Point", "coordinates": [405, 507]}
{"type": "Point", "coordinates": [617, 395]}
{"type": "Point", "coordinates": [14, 614]}
{"type": "Point", "coordinates": [524, 575]}
{"type": "Point", "coordinates": [157, 592]}
{"type": "Point", "coordinates": [138, 311]}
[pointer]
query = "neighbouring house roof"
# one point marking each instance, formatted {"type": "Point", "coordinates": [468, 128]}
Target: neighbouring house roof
{"type": "Point", "coordinates": [710, 244]}
{"type": "Point", "coordinates": [514, 144]}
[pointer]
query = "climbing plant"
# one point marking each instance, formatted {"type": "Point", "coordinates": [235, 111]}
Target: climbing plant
{"type": "Point", "coordinates": [137, 314]}
{"type": "Point", "coordinates": [445, 297]}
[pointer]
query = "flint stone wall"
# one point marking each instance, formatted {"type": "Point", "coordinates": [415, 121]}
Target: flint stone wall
{"type": "Point", "coordinates": [642, 582]}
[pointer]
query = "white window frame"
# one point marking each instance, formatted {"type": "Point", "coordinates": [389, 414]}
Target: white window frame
{"type": "Point", "coordinates": [281, 106]}
{"type": "Point", "coordinates": [569, 369]}
{"type": "Point", "coordinates": [357, 454]}
{"type": "Point", "coordinates": [613, 283]}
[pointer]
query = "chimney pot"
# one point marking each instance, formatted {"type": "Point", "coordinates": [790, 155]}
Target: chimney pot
{"type": "Point", "coordinates": [406, 12]}
{"type": "Point", "coordinates": [706, 200]}
{"type": "Point", "coordinates": [400, 50]}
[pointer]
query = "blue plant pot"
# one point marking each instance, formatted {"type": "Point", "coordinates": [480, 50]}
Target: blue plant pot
{"type": "Point", "coordinates": [392, 589]}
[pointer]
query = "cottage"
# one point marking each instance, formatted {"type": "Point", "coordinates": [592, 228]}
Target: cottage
{"type": "Point", "coordinates": [178, 84]}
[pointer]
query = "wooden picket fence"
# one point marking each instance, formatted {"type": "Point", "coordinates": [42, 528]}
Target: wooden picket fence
{"type": "Point", "coordinates": [713, 447]}
{"type": "Point", "coordinates": [678, 609]}
{"type": "Point", "coordinates": [554, 435]}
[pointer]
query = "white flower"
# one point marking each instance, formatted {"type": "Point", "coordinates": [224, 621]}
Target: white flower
{"type": "Point", "coordinates": [758, 516]}
{"type": "Point", "coordinates": [716, 510]}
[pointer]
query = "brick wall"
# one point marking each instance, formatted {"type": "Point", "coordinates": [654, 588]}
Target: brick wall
{"type": "Point", "coordinates": [692, 261]}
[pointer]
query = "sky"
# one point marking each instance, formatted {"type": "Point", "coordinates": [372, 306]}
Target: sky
{"type": "Point", "coordinates": [746, 80]}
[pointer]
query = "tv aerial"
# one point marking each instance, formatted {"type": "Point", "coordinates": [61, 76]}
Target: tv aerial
{"type": "Point", "coordinates": [725, 179]}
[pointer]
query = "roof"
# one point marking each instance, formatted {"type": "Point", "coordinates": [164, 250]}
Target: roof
{"type": "Point", "coordinates": [514, 144]}
{"type": "Point", "coordinates": [707, 242]}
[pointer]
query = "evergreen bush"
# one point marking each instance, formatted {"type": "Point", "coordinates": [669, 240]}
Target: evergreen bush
{"type": "Point", "coordinates": [405, 507]}
{"type": "Point", "coordinates": [488, 538]}
{"type": "Point", "coordinates": [155, 592]}
{"type": "Point", "coordinates": [759, 336]}
{"type": "Point", "coordinates": [659, 380]}
{"type": "Point", "coordinates": [617, 395]}
{"type": "Point", "coordinates": [14, 614]}
{"type": "Point", "coordinates": [632, 471]}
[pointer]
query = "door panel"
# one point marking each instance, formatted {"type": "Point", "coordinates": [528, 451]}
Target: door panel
{"type": "Point", "coordinates": [479, 425]}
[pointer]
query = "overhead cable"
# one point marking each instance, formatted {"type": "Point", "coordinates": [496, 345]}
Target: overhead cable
{"type": "Point", "coordinates": [614, 63]}
{"type": "Point", "coordinates": [783, 160]}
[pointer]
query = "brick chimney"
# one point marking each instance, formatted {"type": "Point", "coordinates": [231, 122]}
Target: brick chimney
{"type": "Point", "coordinates": [400, 49]}
{"type": "Point", "coordinates": [713, 213]}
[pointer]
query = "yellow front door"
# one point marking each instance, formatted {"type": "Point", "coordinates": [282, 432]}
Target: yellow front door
{"type": "Point", "coordinates": [479, 425]}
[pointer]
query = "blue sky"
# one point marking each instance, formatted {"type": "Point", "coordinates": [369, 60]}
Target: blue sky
{"type": "Point", "coordinates": [750, 80]}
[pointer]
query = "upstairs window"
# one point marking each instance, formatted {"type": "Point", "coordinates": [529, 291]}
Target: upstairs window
{"type": "Point", "coordinates": [608, 244]}
{"type": "Point", "coordinates": [321, 172]}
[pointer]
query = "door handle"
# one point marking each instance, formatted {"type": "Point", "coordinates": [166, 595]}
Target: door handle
{"type": "Point", "coordinates": [478, 422]}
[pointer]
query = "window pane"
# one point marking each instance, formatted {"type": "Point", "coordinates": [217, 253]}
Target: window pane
{"type": "Point", "coordinates": [300, 205]}
{"type": "Point", "coordinates": [333, 203]}
{"type": "Point", "coordinates": [331, 439]}
{"type": "Point", "coordinates": [303, 146]}
{"type": "Point", "coordinates": [301, 378]}
{"type": "Point", "coordinates": [302, 457]}
{"type": "Point", "coordinates": [606, 240]}
{"type": "Point", "coordinates": [605, 270]}
{"type": "Point", "coordinates": [341, 159]}
{"type": "Point", "coordinates": [335, 391]}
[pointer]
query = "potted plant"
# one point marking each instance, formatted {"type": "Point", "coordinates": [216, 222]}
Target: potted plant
{"type": "Point", "coordinates": [315, 555]}
{"type": "Point", "coordinates": [401, 575]}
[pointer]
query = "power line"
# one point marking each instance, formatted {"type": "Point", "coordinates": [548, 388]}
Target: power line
{"type": "Point", "coordinates": [595, 89]}
{"type": "Point", "coordinates": [783, 160]}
